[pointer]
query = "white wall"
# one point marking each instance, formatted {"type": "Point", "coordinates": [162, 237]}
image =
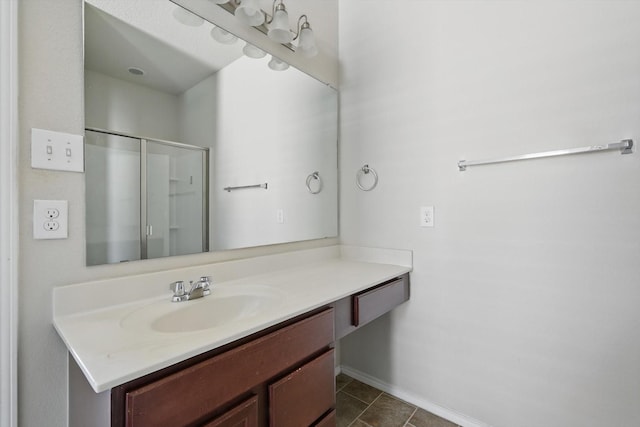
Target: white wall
{"type": "Point", "coordinates": [51, 97]}
{"type": "Point", "coordinates": [524, 304]}
{"type": "Point", "coordinates": [124, 107]}
{"type": "Point", "coordinates": [275, 128]}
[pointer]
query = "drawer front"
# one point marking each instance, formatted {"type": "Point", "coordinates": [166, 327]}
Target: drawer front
{"type": "Point", "coordinates": [375, 302]}
{"type": "Point", "coordinates": [193, 393]}
{"type": "Point", "coordinates": [328, 420]}
{"type": "Point", "coordinates": [303, 396]}
{"type": "Point", "coordinates": [243, 415]}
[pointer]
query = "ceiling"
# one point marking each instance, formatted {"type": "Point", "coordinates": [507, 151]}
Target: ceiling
{"type": "Point", "coordinates": [120, 34]}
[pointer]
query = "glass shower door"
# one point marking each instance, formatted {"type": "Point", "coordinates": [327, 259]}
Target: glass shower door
{"type": "Point", "coordinates": [176, 203]}
{"type": "Point", "coordinates": [112, 198]}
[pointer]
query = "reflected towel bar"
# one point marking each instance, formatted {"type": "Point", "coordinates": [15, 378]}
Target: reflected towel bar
{"type": "Point", "coordinates": [625, 146]}
{"type": "Point", "coordinates": [242, 187]}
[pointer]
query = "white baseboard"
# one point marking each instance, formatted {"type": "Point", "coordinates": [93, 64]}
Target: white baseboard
{"type": "Point", "coordinates": [441, 411]}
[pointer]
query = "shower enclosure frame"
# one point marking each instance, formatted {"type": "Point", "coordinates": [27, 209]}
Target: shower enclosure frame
{"type": "Point", "coordinates": [145, 227]}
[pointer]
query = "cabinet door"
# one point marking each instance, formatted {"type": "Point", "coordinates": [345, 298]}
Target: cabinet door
{"type": "Point", "coordinates": [328, 420]}
{"type": "Point", "coordinates": [193, 393]}
{"type": "Point", "coordinates": [243, 415]}
{"type": "Point", "coordinates": [303, 396]}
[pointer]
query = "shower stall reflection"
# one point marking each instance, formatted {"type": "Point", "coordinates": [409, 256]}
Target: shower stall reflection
{"type": "Point", "coordinates": [144, 198]}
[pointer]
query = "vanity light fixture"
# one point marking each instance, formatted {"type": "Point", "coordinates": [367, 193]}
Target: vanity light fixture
{"type": "Point", "coordinates": [306, 38]}
{"type": "Point", "coordinates": [279, 24]}
{"type": "Point", "coordinates": [249, 13]}
{"type": "Point", "coordinates": [223, 36]}
{"type": "Point", "coordinates": [277, 64]}
{"type": "Point", "coordinates": [253, 52]}
{"type": "Point", "coordinates": [276, 25]}
{"type": "Point", "coordinates": [187, 18]}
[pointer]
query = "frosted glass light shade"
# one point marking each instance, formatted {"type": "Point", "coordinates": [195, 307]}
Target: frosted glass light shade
{"type": "Point", "coordinates": [307, 43]}
{"type": "Point", "coordinates": [279, 27]}
{"type": "Point", "coordinates": [249, 13]}
{"type": "Point", "coordinates": [187, 18]}
{"type": "Point", "coordinates": [223, 36]}
{"type": "Point", "coordinates": [277, 65]}
{"type": "Point", "coordinates": [253, 52]}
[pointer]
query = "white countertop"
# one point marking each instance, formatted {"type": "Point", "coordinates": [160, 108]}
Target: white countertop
{"type": "Point", "coordinates": [111, 349]}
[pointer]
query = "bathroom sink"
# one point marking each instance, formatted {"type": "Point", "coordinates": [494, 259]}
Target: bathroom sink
{"type": "Point", "coordinates": [224, 305]}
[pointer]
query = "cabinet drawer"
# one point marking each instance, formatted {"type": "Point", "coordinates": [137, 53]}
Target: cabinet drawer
{"type": "Point", "coordinates": [375, 302]}
{"type": "Point", "coordinates": [303, 396]}
{"type": "Point", "coordinates": [195, 393]}
{"type": "Point", "coordinates": [243, 415]}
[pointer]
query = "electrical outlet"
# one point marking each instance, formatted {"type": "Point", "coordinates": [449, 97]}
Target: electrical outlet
{"type": "Point", "coordinates": [280, 216]}
{"type": "Point", "coordinates": [426, 216]}
{"type": "Point", "coordinates": [50, 219]}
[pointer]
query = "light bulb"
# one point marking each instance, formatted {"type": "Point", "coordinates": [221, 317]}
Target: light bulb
{"type": "Point", "coordinates": [249, 13]}
{"type": "Point", "coordinates": [187, 18]}
{"type": "Point", "coordinates": [279, 26]}
{"type": "Point", "coordinates": [277, 64]}
{"type": "Point", "coordinates": [223, 36]}
{"type": "Point", "coordinates": [253, 52]}
{"type": "Point", "coordinates": [307, 42]}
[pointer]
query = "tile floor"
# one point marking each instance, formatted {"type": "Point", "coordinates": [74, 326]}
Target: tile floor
{"type": "Point", "coordinates": [360, 405]}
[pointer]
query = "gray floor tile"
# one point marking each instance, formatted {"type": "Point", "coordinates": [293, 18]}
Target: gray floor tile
{"type": "Point", "coordinates": [387, 411]}
{"type": "Point", "coordinates": [362, 391]}
{"type": "Point", "coordinates": [347, 409]}
{"type": "Point", "coordinates": [423, 418]}
{"type": "Point", "coordinates": [342, 380]}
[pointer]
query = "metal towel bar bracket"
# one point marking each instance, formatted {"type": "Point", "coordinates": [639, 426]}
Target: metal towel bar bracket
{"type": "Point", "coordinates": [625, 146]}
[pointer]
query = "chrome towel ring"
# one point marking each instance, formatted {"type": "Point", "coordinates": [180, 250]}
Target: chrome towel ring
{"type": "Point", "coordinates": [365, 170]}
{"type": "Point", "coordinates": [315, 176]}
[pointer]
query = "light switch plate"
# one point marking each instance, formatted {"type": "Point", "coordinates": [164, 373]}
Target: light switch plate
{"type": "Point", "coordinates": [57, 150]}
{"type": "Point", "coordinates": [50, 219]}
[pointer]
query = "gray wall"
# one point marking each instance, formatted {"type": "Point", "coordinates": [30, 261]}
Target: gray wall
{"type": "Point", "coordinates": [51, 97]}
{"type": "Point", "coordinates": [524, 305]}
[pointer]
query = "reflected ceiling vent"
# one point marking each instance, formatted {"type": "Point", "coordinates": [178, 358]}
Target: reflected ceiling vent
{"type": "Point", "coordinates": [136, 71]}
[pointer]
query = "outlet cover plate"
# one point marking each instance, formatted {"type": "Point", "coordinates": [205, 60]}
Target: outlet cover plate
{"type": "Point", "coordinates": [426, 216]}
{"type": "Point", "coordinates": [50, 219]}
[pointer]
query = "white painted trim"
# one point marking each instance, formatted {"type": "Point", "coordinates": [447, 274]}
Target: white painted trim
{"type": "Point", "coordinates": [434, 408]}
{"type": "Point", "coordinates": [8, 213]}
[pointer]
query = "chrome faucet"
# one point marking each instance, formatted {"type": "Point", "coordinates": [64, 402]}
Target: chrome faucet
{"type": "Point", "coordinates": [199, 289]}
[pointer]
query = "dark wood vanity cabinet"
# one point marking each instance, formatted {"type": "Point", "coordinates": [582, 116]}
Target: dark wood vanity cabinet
{"type": "Point", "coordinates": [282, 377]}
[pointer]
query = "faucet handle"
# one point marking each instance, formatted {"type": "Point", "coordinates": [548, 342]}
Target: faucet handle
{"type": "Point", "coordinates": [177, 288]}
{"type": "Point", "coordinates": [206, 283]}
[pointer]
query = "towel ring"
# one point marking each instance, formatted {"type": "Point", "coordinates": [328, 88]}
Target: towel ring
{"type": "Point", "coordinates": [364, 171]}
{"type": "Point", "coordinates": [314, 176]}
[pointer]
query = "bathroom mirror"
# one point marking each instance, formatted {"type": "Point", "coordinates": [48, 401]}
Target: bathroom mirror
{"type": "Point", "coordinates": [237, 154]}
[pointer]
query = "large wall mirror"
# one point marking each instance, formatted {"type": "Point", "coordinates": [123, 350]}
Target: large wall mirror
{"type": "Point", "coordinates": [192, 146]}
